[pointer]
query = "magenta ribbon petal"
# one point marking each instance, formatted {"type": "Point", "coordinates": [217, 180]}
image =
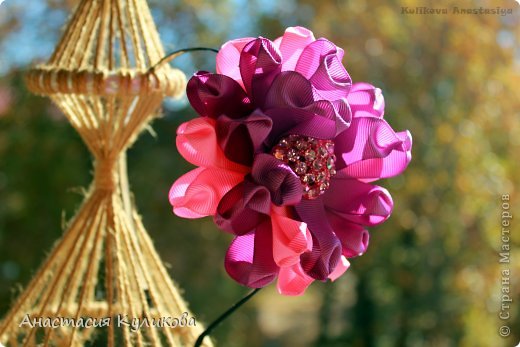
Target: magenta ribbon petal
{"type": "Point", "coordinates": [260, 63]}
{"type": "Point", "coordinates": [366, 100]}
{"type": "Point", "coordinates": [212, 95]}
{"type": "Point", "coordinates": [249, 259]}
{"type": "Point", "coordinates": [358, 202]}
{"type": "Point", "coordinates": [241, 138]}
{"type": "Point", "coordinates": [326, 250]}
{"type": "Point", "coordinates": [370, 149]}
{"type": "Point", "coordinates": [243, 208]}
{"type": "Point", "coordinates": [283, 184]}
{"type": "Point", "coordinates": [320, 63]}
{"type": "Point", "coordinates": [343, 115]}
{"type": "Point", "coordinates": [354, 238]}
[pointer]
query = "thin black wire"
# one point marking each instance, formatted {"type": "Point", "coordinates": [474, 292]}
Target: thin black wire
{"type": "Point", "coordinates": [174, 54]}
{"type": "Point", "coordinates": [224, 315]}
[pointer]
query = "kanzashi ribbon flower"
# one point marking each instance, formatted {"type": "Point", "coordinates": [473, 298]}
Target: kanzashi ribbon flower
{"type": "Point", "coordinates": [286, 148]}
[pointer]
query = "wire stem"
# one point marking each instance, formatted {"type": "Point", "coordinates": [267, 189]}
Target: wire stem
{"type": "Point", "coordinates": [223, 316]}
{"type": "Point", "coordinates": [170, 56]}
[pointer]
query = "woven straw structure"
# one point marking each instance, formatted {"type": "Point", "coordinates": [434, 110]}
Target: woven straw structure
{"type": "Point", "coordinates": [105, 265]}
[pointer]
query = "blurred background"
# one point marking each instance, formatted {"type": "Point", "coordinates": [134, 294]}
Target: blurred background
{"type": "Point", "coordinates": [431, 276]}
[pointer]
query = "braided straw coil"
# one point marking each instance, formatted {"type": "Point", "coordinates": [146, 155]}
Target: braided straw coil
{"type": "Point", "coordinates": [105, 265]}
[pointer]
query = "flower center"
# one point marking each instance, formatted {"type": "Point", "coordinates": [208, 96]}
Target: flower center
{"type": "Point", "coordinates": [313, 160]}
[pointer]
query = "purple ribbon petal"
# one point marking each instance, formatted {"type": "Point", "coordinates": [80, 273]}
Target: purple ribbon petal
{"type": "Point", "coordinates": [241, 138]}
{"type": "Point", "coordinates": [326, 247]}
{"type": "Point", "coordinates": [283, 184]}
{"type": "Point", "coordinates": [243, 208]}
{"type": "Point", "coordinates": [249, 259]}
{"type": "Point", "coordinates": [305, 122]}
{"type": "Point", "coordinates": [290, 103]}
{"type": "Point", "coordinates": [289, 90]}
{"type": "Point", "coordinates": [212, 95]}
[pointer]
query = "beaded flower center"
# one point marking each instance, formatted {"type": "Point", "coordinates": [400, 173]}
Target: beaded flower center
{"type": "Point", "coordinates": [313, 160]}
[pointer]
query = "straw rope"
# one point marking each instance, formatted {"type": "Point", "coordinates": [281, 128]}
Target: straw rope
{"type": "Point", "coordinates": [103, 76]}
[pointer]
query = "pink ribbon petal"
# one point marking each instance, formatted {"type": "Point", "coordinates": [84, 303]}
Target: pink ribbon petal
{"type": "Point", "coordinates": [177, 194]}
{"type": "Point", "coordinates": [292, 280]}
{"type": "Point", "coordinates": [197, 193]}
{"type": "Point", "coordinates": [340, 269]}
{"type": "Point", "coordinates": [292, 43]}
{"type": "Point", "coordinates": [290, 239]}
{"type": "Point", "coordinates": [197, 143]}
{"type": "Point", "coordinates": [228, 58]}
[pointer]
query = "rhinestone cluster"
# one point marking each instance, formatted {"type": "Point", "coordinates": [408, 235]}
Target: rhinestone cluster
{"type": "Point", "coordinates": [313, 160]}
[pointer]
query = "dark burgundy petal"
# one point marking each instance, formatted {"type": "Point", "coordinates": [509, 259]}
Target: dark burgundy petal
{"type": "Point", "coordinates": [212, 95]}
{"type": "Point", "coordinates": [304, 121]}
{"type": "Point", "coordinates": [289, 90]}
{"type": "Point", "coordinates": [249, 259]}
{"type": "Point", "coordinates": [241, 138]}
{"type": "Point", "coordinates": [326, 247]}
{"type": "Point", "coordinates": [243, 208]}
{"type": "Point", "coordinates": [358, 202]}
{"type": "Point", "coordinates": [260, 63]}
{"type": "Point", "coordinates": [320, 63]}
{"type": "Point", "coordinates": [283, 184]}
